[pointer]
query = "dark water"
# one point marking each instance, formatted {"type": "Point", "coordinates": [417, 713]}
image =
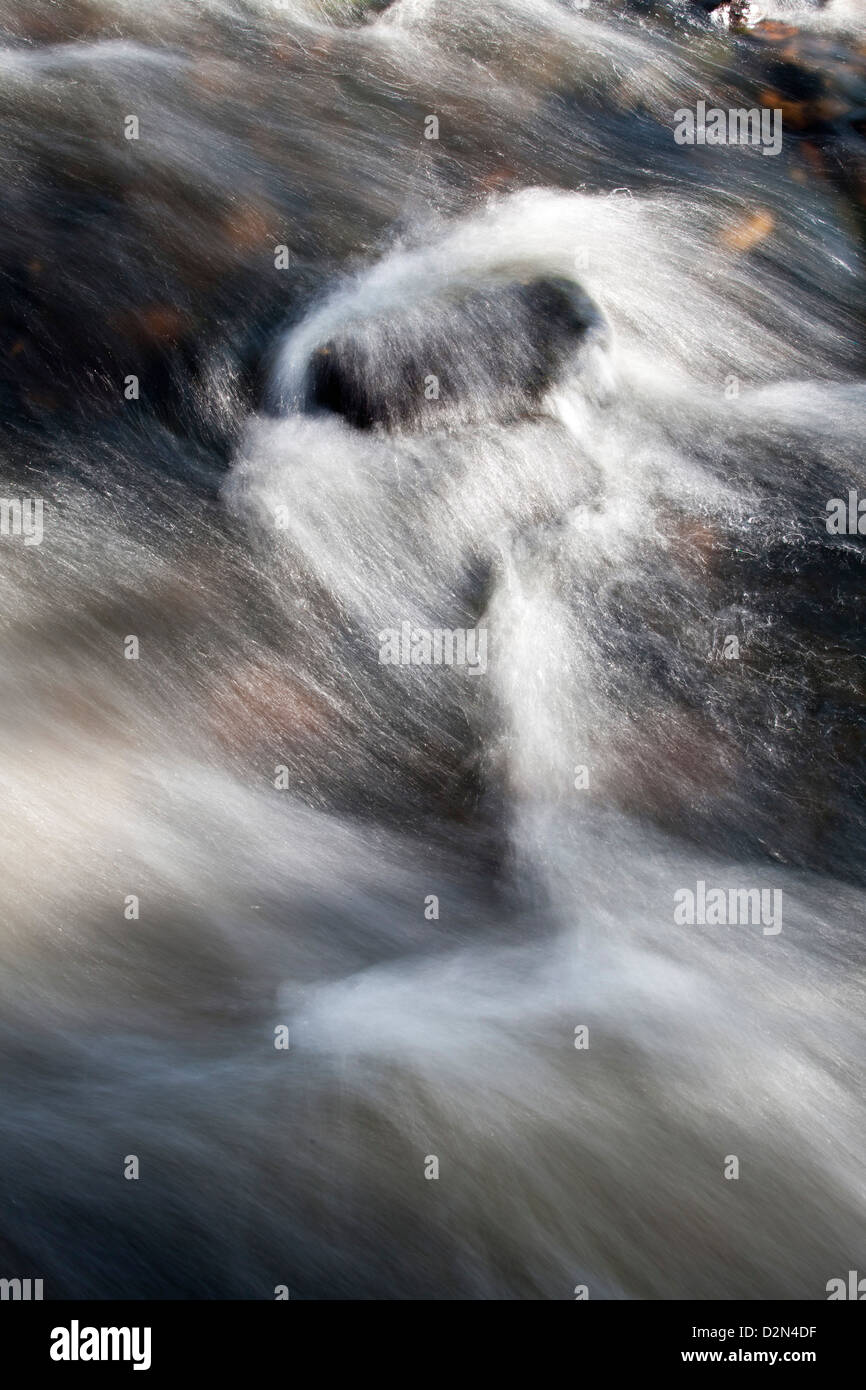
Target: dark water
{"type": "Point", "coordinates": [650, 371]}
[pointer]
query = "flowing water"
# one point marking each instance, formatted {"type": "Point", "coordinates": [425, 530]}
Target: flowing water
{"type": "Point", "coordinates": [435, 877]}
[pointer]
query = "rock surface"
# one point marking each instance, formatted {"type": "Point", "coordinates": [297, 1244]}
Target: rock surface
{"type": "Point", "coordinates": [443, 361]}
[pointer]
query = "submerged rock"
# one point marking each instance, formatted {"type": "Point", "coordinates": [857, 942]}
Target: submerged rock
{"type": "Point", "coordinates": [489, 352]}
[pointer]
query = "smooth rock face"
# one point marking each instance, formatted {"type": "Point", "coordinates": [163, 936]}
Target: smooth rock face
{"type": "Point", "coordinates": [489, 352]}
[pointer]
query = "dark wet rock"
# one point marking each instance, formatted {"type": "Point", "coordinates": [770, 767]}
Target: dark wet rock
{"type": "Point", "coordinates": [490, 352]}
{"type": "Point", "coordinates": [818, 81]}
{"type": "Point", "coordinates": [796, 82]}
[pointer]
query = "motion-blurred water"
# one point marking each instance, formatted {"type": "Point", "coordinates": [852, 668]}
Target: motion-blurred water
{"type": "Point", "coordinates": [283, 805]}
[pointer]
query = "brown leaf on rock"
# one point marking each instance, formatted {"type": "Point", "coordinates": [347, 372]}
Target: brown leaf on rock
{"type": "Point", "coordinates": [773, 30]}
{"type": "Point", "coordinates": [155, 323]}
{"type": "Point", "coordinates": [246, 227]}
{"type": "Point", "coordinates": [749, 232]}
{"type": "Point", "coordinates": [796, 115]}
